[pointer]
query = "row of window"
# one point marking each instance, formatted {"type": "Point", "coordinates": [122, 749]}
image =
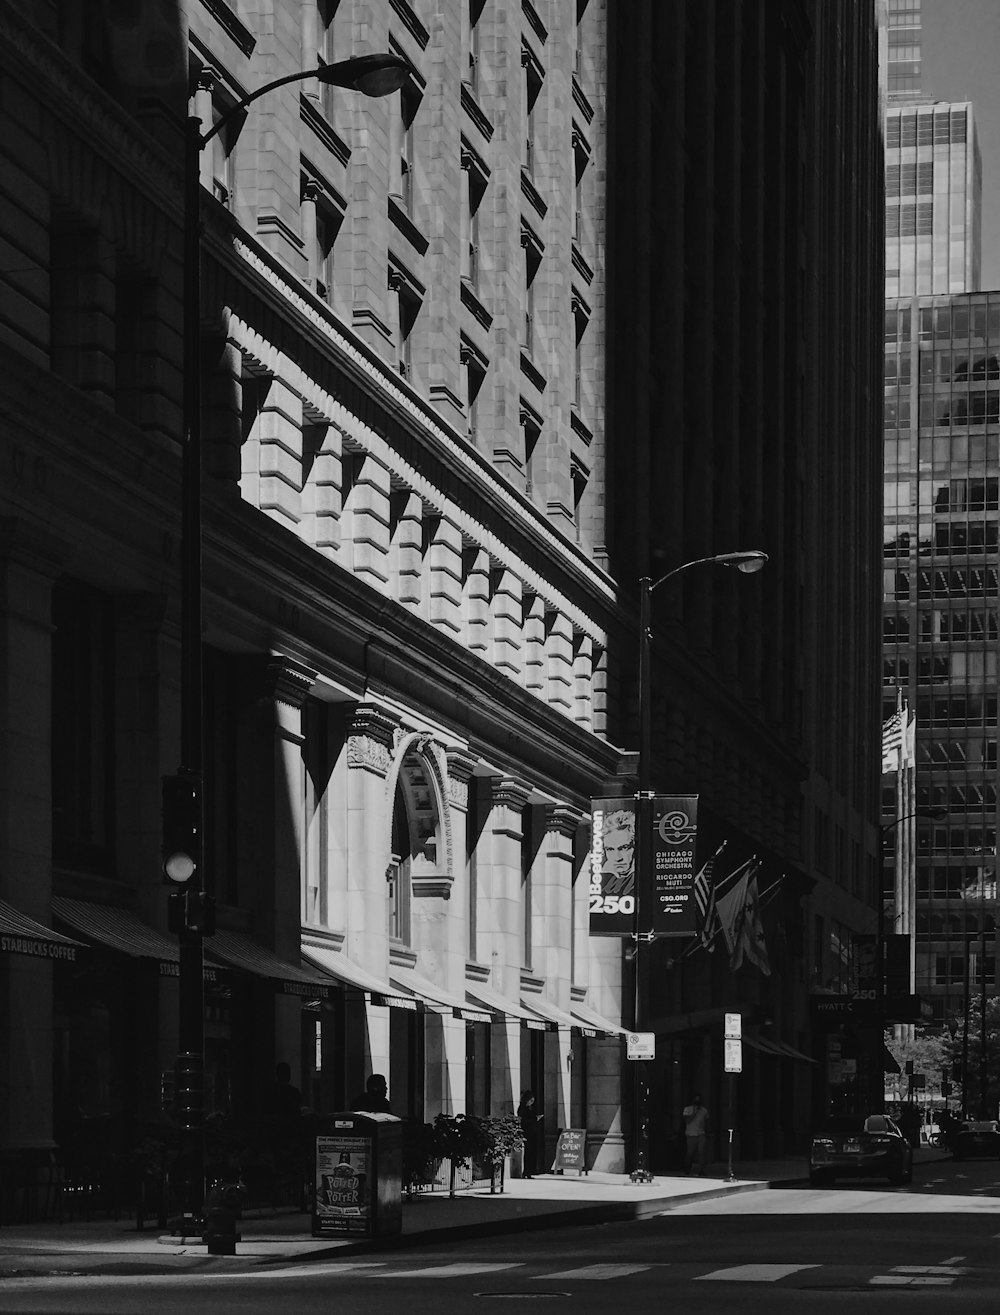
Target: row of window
{"type": "Point", "coordinates": [942, 410]}
{"type": "Point", "coordinates": [958, 582]}
{"type": "Point", "coordinates": [924, 127]}
{"type": "Point", "coordinates": [909, 219]}
{"type": "Point", "coordinates": [957, 320]}
{"type": "Point", "coordinates": [941, 627]}
{"type": "Point", "coordinates": [957, 666]}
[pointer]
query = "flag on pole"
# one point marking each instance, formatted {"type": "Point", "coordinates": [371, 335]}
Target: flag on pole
{"type": "Point", "coordinates": [892, 741]}
{"type": "Point", "coordinates": [729, 907]}
{"type": "Point", "coordinates": [704, 895]}
{"type": "Point", "coordinates": [908, 748]}
{"type": "Point", "coordinates": [751, 944]}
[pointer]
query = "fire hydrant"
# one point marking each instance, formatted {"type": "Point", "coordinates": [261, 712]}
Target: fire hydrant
{"type": "Point", "coordinates": [222, 1209]}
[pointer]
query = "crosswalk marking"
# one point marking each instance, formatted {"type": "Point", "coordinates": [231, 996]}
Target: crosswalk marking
{"type": "Point", "coordinates": [928, 1269]}
{"type": "Point", "coordinates": [455, 1270]}
{"type": "Point", "coordinates": [598, 1272]}
{"type": "Point", "coordinates": [754, 1273]}
{"type": "Point", "coordinates": [910, 1280]}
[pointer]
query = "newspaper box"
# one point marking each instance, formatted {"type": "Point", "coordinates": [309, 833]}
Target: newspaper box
{"type": "Point", "coordinates": [358, 1175]}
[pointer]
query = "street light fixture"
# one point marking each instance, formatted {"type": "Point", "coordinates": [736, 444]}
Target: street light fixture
{"type": "Point", "coordinates": [373, 75]}
{"type": "Point", "coordinates": [747, 563]}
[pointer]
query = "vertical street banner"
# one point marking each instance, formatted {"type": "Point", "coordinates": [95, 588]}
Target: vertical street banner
{"type": "Point", "coordinates": [612, 867]}
{"type": "Point", "coordinates": [669, 906]}
{"type": "Point", "coordinates": [675, 835]}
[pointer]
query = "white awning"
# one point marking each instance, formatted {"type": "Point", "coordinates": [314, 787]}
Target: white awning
{"type": "Point", "coordinates": [549, 1013]}
{"type": "Point", "coordinates": [480, 993]}
{"type": "Point", "coordinates": [438, 997]}
{"type": "Point", "coordinates": [592, 1024]}
{"type": "Point", "coordinates": [351, 975]}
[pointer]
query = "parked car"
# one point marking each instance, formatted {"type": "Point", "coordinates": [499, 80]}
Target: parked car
{"type": "Point", "coordinates": [860, 1146]}
{"type": "Point", "coordinates": [980, 1138]}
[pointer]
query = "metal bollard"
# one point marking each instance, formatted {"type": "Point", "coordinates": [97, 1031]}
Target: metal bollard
{"type": "Point", "coordinates": [222, 1209]}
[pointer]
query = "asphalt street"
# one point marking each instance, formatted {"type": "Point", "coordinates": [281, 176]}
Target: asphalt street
{"type": "Point", "coordinates": [789, 1249]}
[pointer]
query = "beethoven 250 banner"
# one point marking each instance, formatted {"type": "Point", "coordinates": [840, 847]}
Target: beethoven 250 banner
{"type": "Point", "coordinates": [670, 887]}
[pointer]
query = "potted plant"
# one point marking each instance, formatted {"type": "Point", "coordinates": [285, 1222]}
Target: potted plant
{"type": "Point", "coordinates": [502, 1135]}
{"type": "Point", "coordinates": [458, 1138]}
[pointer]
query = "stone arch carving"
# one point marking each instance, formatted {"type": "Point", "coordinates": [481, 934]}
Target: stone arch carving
{"type": "Point", "coordinates": [418, 764]}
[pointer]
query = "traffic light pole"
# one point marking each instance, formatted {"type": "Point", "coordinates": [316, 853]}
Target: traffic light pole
{"type": "Point", "coordinates": [190, 1079]}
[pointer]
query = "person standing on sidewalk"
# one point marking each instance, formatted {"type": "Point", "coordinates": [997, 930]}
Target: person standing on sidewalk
{"type": "Point", "coordinates": [695, 1134]}
{"type": "Point", "coordinates": [529, 1120]}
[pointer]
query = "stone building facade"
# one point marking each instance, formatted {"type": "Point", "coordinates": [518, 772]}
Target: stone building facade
{"type": "Point", "coordinates": [408, 618]}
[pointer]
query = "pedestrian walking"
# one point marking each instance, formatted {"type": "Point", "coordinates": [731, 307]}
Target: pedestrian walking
{"type": "Point", "coordinates": [695, 1135]}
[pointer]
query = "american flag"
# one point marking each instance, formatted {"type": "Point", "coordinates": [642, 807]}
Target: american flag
{"type": "Point", "coordinates": [892, 741]}
{"type": "Point", "coordinates": [704, 895]}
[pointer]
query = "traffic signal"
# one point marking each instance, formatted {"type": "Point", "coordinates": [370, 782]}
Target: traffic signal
{"type": "Point", "coordinates": [956, 1070]}
{"type": "Point", "coordinates": [182, 829]}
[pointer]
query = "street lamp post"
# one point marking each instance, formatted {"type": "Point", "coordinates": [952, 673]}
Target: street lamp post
{"type": "Point", "coordinates": [373, 75]}
{"type": "Point", "coordinates": [746, 562]}
{"type": "Point", "coordinates": [884, 833]}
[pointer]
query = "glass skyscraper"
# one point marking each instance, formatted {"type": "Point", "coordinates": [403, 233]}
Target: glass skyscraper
{"type": "Point", "coordinates": [942, 472]}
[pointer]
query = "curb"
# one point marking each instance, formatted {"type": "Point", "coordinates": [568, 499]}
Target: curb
{"type": "Point", "coordinates": [605, 1212]}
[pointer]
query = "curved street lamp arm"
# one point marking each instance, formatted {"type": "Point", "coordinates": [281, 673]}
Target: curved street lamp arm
{"type": "Point", "coordinates": [350, 73]}
{"type": "Point", "coordinates": [747, 562]}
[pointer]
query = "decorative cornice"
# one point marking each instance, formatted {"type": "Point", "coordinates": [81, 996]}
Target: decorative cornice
{"type": "Point", "coordinates": [436, 886]}
{"type": "Point", "coordinates": [359, 362]}
{"type": "Point", "coordinates": [508, 792]}
{"type": "Point", "coordinates": [288, 681]}
{"type": "Point", "coordinates": [563, 819]}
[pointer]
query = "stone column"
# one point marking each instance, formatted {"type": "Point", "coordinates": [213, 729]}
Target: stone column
{"type": "Point", "coordinates": [368, 844]}
{"type": "Point", "coordinates": [501, 916]}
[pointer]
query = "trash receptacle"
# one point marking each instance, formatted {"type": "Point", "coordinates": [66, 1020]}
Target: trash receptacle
{"type": "Point", "coordinates": [358, 1175]}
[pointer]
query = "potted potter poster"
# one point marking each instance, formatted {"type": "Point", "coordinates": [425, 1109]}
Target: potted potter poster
{"type": "Point", "coordinates": [343, 1183]}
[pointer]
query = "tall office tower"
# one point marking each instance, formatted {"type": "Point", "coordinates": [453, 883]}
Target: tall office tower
{"type": "Point", "coordinates": [942, 565]}
{"type": "Point", "coordinates": [933, 181]}
{"type": "Point", "coordinates": [941, 550]}
{"type": "Point", "coordinates": [745, 285]}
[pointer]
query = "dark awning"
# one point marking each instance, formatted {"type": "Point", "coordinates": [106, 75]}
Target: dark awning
{"type": "Point", "coordinates": [353, 976]}
{"type": "Point", "coordinates": [113, 928]}
{"type": "Point", "coordinates": [235, 950]}
{"type": "Point", "coordinates": [20, 934]}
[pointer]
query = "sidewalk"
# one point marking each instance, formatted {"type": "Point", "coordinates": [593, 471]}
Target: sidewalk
{"type": "Point", "coordinates": [429, 1218]}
